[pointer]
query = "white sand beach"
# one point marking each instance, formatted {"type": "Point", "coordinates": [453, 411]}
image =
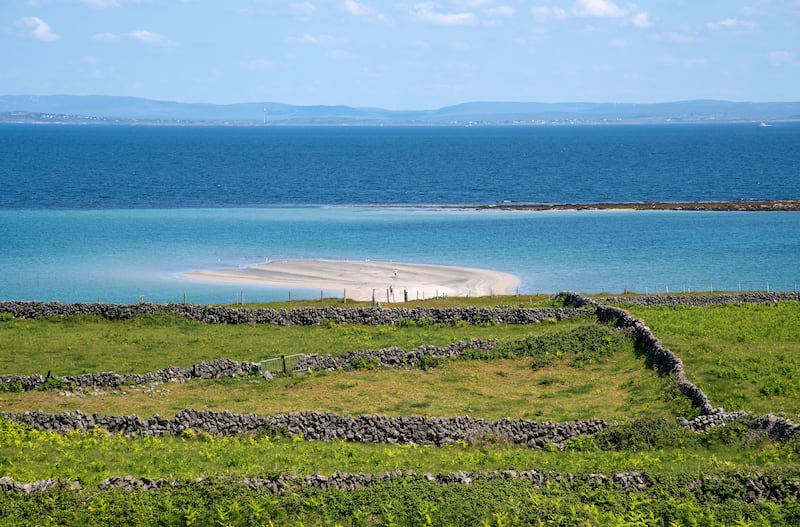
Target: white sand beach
{"type": "Point", "coordinates": [360, 278]}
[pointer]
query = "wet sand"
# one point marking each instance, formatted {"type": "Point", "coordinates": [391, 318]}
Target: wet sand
{"type": "Point", "coordinates": [360, 278]}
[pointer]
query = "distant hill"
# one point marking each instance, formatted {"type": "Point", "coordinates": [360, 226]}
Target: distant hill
{"type": "Point", "coordinates": [110, 109]}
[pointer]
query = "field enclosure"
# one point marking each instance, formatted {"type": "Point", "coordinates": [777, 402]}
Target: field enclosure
{"type": "Point", "coordinates": [572, 419]}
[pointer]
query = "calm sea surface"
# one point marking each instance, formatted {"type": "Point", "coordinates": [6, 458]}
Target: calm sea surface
{"type": "Point", "coordinates": [117, 213]}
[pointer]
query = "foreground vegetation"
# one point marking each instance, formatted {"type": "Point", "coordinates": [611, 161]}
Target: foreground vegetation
{"type": "Point", "coordinates": [656, 446]}
{"type": "Point", "coordinates": [733, 352]}
{"type": "Point", "coordinates": [692, 480]}
{"type": "Point", "coordinates": [407, 502]}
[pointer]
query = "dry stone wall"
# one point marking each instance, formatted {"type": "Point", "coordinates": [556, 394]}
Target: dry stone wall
{"type": "Point", "coordinates": [393, 357]}
{"type": "Point", "coordinates": [320, 426]}
{"type": "Point", "coordinates": [662, 358]}
{"type": "Point", "coordinates": [214, 369]}
{"type": "Point", "coordinates": [668, 363]}
{"type": "Point", "coordinates": [756, 297]}
{"type": "Point", "coordinates": [626, 481]}
{"type": "Point", "coordinates": [323, 426]}
{"type": "Point", "coordinates": [301, 316]}
{"type": "Point", "coordinates": [749, 488]}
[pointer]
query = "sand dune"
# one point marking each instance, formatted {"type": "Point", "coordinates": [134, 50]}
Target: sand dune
{"type": "Point", "coordinates": [360, 278]}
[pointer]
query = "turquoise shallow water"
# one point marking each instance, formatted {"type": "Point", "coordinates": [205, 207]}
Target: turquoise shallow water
{"type": "Point", "coordinates": [117, 213]}
{"type": "Point", "coordinates": [125, 255]}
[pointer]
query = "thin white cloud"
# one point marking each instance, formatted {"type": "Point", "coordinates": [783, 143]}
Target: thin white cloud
{"type": "Point", "coordinates": [671, 36]}
{"type": "Point", "coordinates": [110, 37]}
{"type": "Point", "coordinates": [358, 9]}
{"type": "Point", "coordinates": [641, 20]}
{"type": "Point", "coordinates": [459, 45]}
{"type": "Point", "coordinates": [598, 9]}
{"type": "Point", "coordinates": [731, 23]}
{"type": "Point", "coordinates": [780, 58]}
{"type": "Point", "coordinates": [543, 13]}
{"type": "Point", "coordinates": [501, 11]}
{"type": "Point", "coordinates": [101, 4]}
{"type": "Point", "coordinates": [426, 12]}
{"type": "Point", "coordinates": [618, 43]}
{"type": "Point", "coordinates": [39, 29]}
{"type": "Point", "coordinates": [470, 4]}
{"type": "Point", "coordinates": [148, 37]}
{"type": "Point", "coordinates": [339, 54]}
{"type": "Point", "coordinates": [363, 10]}
{"type": "Point", "coordinates": [317, 40]}
{"type": "Point", "coordinates": [592, 9]}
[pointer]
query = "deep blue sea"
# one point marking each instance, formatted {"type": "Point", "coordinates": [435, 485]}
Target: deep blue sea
{"type": "Point", "coordinates": [117, 213]}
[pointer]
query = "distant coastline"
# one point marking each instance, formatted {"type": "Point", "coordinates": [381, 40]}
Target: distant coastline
{"type": "Point", "coordinates": [116, 110]}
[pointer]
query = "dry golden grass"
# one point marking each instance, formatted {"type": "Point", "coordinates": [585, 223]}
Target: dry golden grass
{"type": "Point", "coordinates": [616, 389]}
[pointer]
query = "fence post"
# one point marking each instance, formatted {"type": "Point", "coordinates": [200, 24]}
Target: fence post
{"type": "Point", "coordinates": [283, 360]}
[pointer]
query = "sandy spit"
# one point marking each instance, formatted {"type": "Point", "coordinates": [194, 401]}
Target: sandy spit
{"type": "Point", "coordinates": [359, 278]}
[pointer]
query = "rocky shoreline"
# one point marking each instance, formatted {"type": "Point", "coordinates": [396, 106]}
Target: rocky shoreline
{"type": "Point", "coordinates": [784, 205]}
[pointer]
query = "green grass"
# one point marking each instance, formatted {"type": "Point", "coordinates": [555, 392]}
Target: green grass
{"type": "Point", "coordinates": [68, 346]}
{"type": "Point", "coordinates": [743, 356]}
{"type": "Point", "coordinates": [722, 461]}
{"type": "Point", "coordinates": [30, 455]}
{"type": "Point", "coordinates": [617, 389]}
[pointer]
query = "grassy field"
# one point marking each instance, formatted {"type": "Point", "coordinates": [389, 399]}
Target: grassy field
{"type": "Point", "coordinates": [743, 356]}
{"type": "Point", "coordinates": [68, 346]}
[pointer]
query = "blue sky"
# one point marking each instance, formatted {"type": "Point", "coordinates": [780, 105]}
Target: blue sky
{"type": "Point", "coordinates": [399, 54]}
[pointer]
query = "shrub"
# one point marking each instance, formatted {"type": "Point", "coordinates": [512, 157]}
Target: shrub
{"type": "Point", "coordinates": [9, 386]}
{"type": "Point", "coordinates": [425, 322]}
{"type": "Point", "coordinates": [582, 345]}
{"type": "Point", "coordinates": [367, 363]}
{"type": "Point", "coordinates": [53, 383]}
{"type": "Point", "coordinates": [645, 433]}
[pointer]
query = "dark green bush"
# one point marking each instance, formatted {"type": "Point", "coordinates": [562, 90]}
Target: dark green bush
{"type": "Point", "coordinates": [646, 433]}
{"type": "Point", "coordinates": [52, 383]}
{"type": "Point", "coordinates": [582, 346]}
{"type": "Point", "coordinates": [10, 386]}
